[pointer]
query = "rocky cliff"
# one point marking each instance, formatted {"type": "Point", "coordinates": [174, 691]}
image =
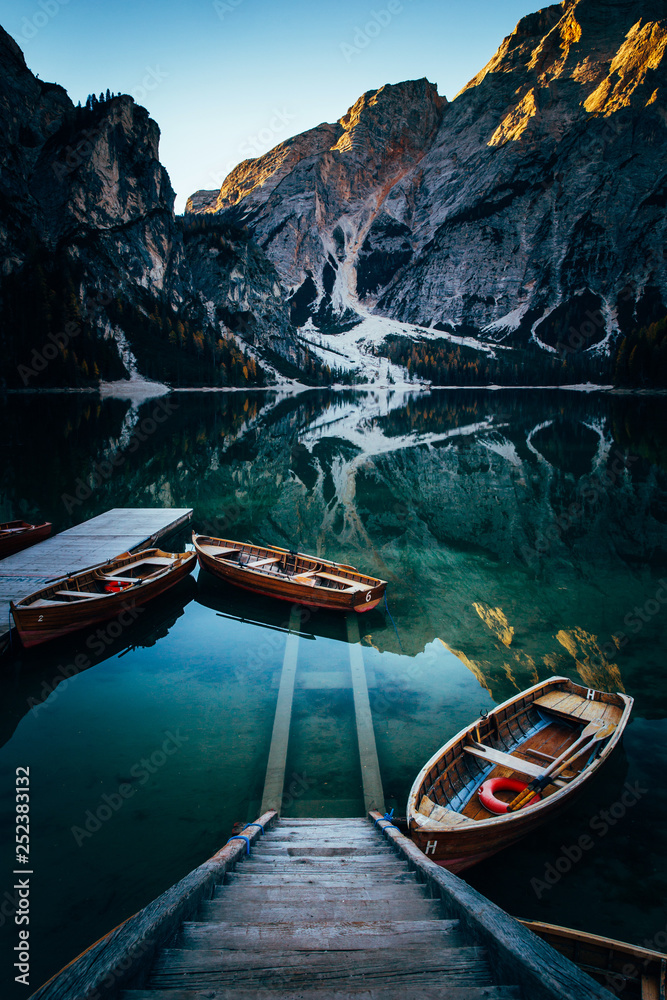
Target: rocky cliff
{"type": "Point", "coordinates": [99, 279]}
{"type": "Point", "coordinates": [528, 210]}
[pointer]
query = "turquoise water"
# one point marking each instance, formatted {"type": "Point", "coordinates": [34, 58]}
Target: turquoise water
{"type": "Point", "coordinates": [522, 535]}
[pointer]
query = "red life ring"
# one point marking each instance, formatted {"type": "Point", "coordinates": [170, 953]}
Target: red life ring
{"type": "Point", "coordinates": [489, 788]}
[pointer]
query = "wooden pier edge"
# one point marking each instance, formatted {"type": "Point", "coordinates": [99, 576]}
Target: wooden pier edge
{"type": "Point", "coordinates": [122, 958]}
{"type": "Point", "coordinates": [522, 957]}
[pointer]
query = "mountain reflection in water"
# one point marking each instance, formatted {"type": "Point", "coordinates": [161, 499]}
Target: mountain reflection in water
{"type": "Point", "coordinates": [522, 534]}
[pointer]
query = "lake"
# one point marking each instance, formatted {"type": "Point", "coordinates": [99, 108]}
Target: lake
{"type": "Point", "coordinates": [522, 534]}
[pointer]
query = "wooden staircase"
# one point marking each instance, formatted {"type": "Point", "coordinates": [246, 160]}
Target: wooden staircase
{"type": "Point", "coordinates": [322, 908]}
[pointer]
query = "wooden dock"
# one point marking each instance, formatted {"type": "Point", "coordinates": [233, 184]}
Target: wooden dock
{"type": "Point", "coordinates": [322, 909]}
{"type": "Point", "coordinates": [122, 529]}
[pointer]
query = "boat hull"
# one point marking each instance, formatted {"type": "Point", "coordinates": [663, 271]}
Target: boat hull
{"type": "Point", "coordinates": [287, 590]}
{"type": "Point", "coordinates": [43, 624]}
{"type": "Point", "coordinates": [9, 544]}
{"type": "Point", "coordinates": [458, 838]}
{"type": "Point", "coordinates": [458, 852]}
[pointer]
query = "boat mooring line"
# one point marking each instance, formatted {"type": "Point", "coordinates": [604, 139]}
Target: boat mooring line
{"type": "Point", "coordinates": [275, 768]}
{"type": "Point", "coordinates": [240, 837]}
{"type": "Point", "coordinates": [370, 766]}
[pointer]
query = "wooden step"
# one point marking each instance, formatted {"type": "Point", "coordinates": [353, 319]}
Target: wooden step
{"type": "Point", "coordinates": [323, 851]}
{"type": "Point", "coordinates": [206, 969]}
{"type": "Point", "coordinates": [312, 878]}
{"type": "Point", "coordinates": [309, 912]}
{"type": "Point", "coordinates": [407, 992]}
{"type": "Point", "coordinates": [328, 936]}
{"type": "Point", "coordinates": [293, 893]}
{"type": "Point", "coordinates": [339, 822]}
{"type": "Point", "coordinates": [362, 862]}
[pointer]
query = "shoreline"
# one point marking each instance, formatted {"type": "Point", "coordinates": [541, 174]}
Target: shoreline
{"type": "Point", "coordinates": [144, 393]}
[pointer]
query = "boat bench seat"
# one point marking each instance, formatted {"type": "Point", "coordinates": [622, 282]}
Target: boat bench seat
{"type": "Point", "coordinates": [78, 593]}
{"type": "Point", "coordinates": [574, 707]}
{"type": "Point", "coordinates": [263, 562]}
{"type": "Point", "coordinates": [152, 561]}
{"type": "Point", "coordinates": [351, 584]}
{"type": "Point", "coordinates": [505, 760]}
{"type": "Point", "coordinates": [216, 550]}
{"type": "Point", "coordinates": [121, 579]}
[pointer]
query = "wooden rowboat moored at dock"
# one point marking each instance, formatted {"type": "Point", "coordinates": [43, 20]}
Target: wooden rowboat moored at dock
{"type": "Point", "coordinates": [17, 535]}
{"type": "Point", "coordinates": [98, 593]}
{"type": "Point", "coordinates": [289, 576]}
{"type": "Point", "coordinates": [626, 970]}
{"type": "Point", "coordinates": [512, 770]}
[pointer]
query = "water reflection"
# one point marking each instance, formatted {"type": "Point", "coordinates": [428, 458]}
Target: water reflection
{"type": "Point", "coordinates": [522, 535]}
{"type": "Point", "coordinates": [35, 676]}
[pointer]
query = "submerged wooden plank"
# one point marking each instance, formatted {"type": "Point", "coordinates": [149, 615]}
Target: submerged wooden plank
{"type": "Point", "coordinates": [370, 766]}
{"type": "Point", "coordinates": [274, 781]}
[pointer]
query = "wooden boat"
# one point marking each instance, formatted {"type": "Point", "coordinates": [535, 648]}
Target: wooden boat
{"type": "Point", "coordinates": [627, 970]}
{"type": "Point", "coordinates": [17, 535]}
{"type": "Point", "coordinates": [289, 576]}
{"type": "Point", "coordinates": [518, 742]}
{"type": "Point", "coordinates": [98, 593]}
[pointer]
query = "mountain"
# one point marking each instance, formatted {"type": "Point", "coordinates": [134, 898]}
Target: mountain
{"type": "Point", "coordinates": [529, 211]}
{"type": "Point", "coordinates": [100, 280]}
{"type": "Point", "coordinates": [513, 235]}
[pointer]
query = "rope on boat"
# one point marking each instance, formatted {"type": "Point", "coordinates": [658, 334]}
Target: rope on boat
{"type": "Point", "coordinates": [253, 824]}
{"type": "Point", "coordinates": [393, 622]}
{"type": "Point", "coordinates": [241, 837]}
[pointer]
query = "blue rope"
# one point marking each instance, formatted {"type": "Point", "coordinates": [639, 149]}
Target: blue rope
{"type": "Point", "coordinates": [387, 818]}
{"type": "Point", "coordinates": [254, 824]}
{"type": "Point", "coordinates": [393, 622]}
{"type": "Point", "coordinates": [241, 837]}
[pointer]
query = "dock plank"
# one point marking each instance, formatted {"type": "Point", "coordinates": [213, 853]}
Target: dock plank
{"type": "Point", "coordinates": [118, 530]}
{"type": "Point", "coordinates": [412, 991]}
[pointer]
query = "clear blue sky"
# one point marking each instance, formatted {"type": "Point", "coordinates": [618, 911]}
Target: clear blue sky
{"type": "Point", "coordinates": [228, 79]}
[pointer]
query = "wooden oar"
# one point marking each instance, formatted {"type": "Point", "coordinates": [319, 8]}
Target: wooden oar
{"type": "Point", "coordinates": [596, 730]}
